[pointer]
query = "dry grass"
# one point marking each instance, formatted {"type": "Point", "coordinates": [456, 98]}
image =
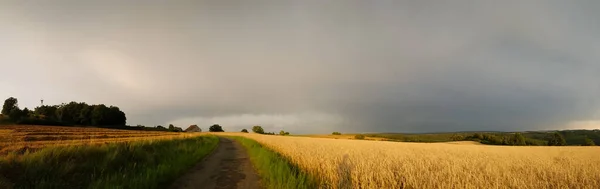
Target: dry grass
{"type": "Point", "coordinates": [21, 138]}
{"type": "Point", "coordinates": [345, 136]}
{"type": "Point", "coordinates": [379, 164]}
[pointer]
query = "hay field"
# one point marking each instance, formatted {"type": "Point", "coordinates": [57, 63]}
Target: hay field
{"type": "Point", "coordinates": [379, 164]}
{"type": "Point", "coordinates": [21, 138]}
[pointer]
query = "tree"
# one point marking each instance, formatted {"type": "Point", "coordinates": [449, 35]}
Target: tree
{"type": "Point", "coordinates": [9, 104]}
{"type": "Point", "coordinates": [457, 137]}
{"type": "Point", "coordinates": [589, 142]}
{"type": "Point", "coordinates": [518, 139]}
{"type": "Point", "coordinates": [99, 115]}
{"type": "Point", "coordinates": [244, 131]}
{"type": "Point", "coordinates": [26, 112]}
{"type": "Point", "coordinates": [258, 129]}
{"type": "Point", "coordinates": [171, 127]}
{"type": "Point", "coordinates": [557, 140]}
{"type": "Point", "coordinates": [15, 114]}
{"type": "Point", "coordinates": [336, 133]}
{"type": "Point", "coordinates": [216, 128]}
{"type": "Point", "coordinates": [283, 133]}
{"type": "Point", "coordinates": [49, 112]}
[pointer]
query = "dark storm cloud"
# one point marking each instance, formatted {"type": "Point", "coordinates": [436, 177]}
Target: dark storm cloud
{"type": "Point", "coordinates": [312, 66]}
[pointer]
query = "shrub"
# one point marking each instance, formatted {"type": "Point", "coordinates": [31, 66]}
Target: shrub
{"type": "Point", "coordinates": [244, 131]}
{"type": "Point", "coordinates": [336, 133]}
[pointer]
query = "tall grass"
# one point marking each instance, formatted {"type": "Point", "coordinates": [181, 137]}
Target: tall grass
{"type": "Point", "coordinates": [276, 171]}
{"type": "Point", "coordinates": [139, 164]}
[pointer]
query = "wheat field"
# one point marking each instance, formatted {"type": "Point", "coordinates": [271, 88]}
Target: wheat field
{"type": "Point", "coordinates": [379, 164]}
{"type": "Point", "coordinates": [21, 138]}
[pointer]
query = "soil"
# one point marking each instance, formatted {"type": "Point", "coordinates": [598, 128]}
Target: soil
{"type": "Point", "coordinates": [228, 167]}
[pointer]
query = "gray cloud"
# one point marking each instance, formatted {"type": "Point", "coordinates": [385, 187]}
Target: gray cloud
{"type": "Point", "coordinates": [312, 66]}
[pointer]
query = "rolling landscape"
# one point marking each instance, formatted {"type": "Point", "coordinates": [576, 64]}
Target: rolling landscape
{"type": "Point", "coordinates": [237, 94]}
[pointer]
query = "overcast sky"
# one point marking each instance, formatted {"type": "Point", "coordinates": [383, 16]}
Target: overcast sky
{"type": "Point", "coordinates": [312, 66]}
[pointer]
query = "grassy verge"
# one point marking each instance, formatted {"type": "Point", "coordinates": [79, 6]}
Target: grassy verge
{"type": "Point", "coordinates": [141, 164]}
{"type": "Point", "coordinates": [275, 170]}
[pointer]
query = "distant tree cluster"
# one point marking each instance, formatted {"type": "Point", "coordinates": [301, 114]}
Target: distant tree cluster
{"type": "Point", "coordinates": [283, 133]}
{"type": "Point", "coordinates": [72, 113]}
{"type": "Point", "coordinates": [259, 130]}
{"type": "Point", "coordinates": [244, 131]}
{"type": "Point", "coordinates": [216, 128]}
{"type": "Point", "coordinates": [336, 133]}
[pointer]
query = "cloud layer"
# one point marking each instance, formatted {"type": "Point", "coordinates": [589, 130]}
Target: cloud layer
{"type": "Point", "coordinates": [312, 66]}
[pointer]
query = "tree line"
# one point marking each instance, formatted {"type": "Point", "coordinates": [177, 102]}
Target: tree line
{"type": "Point", "coordinates": [259, 130]}
{"type": "Point", "coordinates": [66, 114]}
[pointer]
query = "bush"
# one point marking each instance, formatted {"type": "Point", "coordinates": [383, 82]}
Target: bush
{"type": "Point", "coordinates": [216, 128]}
{"type": "Point", "coordinates": [336, 133]}
{"type": "Point", "coordinates": [589, 142]}
{"type": "Point", "coordinates": [244, 131]}
{"type": "Point", "coordinates": [360, 137]}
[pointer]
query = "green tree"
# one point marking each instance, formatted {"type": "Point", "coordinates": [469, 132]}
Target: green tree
{"type": "Point", "coordinates": [26, 112]}
{"type": "Point", "coordinates": [518, 139]}
{"type": "Point", "coordinates": [216, 128]}
{"type": "Point", "coordinates": [258, 129]}
{"type": "Point", "coordinates": [10, 104]}
{"type": "Point", "coordinates": [99, 113]}
{"type": "Point", "coordinates": [589, 142]}
{"type": "Point", "coordinates": [244, 131]}
{"type": "Point", "coordinates": [557, 140]}
{"type": "Point", "coordinates": [171, 127]}
{"type": "Point", "coordinates": [47, 112]}
{"type": "Point", "coordinates": [15, 114]}
{"type": "Point", "coordinates": [457, 137]}
{"type": "Point", "coordinates": [336, 133]}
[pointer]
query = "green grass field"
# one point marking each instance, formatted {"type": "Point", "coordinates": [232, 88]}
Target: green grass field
{"type": "Point", "coordinates": [140, 164]}
{"type": "Point", "coordinates": [275, 170]}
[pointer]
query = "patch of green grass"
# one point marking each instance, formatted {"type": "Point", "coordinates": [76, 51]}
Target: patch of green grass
{"type": "Point", "coordinates": [275, 170]}
{"type": "Point", "coordinates": [140, 164]}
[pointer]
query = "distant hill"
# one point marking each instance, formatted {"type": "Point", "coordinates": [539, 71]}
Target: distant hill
{"type": "Point", "coordinates": [193, 128]}
{"type": "Point", "coordinates": [572, 137]}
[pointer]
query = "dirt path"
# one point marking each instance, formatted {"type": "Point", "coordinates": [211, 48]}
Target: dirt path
{"type": "Point", "coordinates": [228, 167]}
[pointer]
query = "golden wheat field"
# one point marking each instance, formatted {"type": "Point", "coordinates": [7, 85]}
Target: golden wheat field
{"type": "Point", "coordinates": [20, 138]}
{"type": "Point", "coordinates": [379, 164]}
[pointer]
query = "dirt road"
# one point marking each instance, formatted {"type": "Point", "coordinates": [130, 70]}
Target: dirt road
{"type": "Point", "coordinates": [227, 168]}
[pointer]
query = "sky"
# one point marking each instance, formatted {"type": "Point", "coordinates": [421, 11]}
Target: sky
{"type": "Point", "coordinates": [311, 66]}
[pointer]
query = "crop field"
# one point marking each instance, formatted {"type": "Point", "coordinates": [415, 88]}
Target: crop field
{"type": "Point", "coordinates": [23, 138]}
{"type": "Point", "coordinates": [339, 163]}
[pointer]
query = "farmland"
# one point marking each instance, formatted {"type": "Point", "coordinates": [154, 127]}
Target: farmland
{"type": "Point", "coordinates": [20, 138]}
{"type": "Point", "coordinates": [69, 157]}
{"type": "Point", "coordinates": [380, 164]}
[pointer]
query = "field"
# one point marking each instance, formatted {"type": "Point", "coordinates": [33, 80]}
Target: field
{"type": "Point", "coordinates": [69, 157]}
{"type": "Point", "coordinates": [23, 138]}
{"type": "Point", "coordinates": [379, 164]}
